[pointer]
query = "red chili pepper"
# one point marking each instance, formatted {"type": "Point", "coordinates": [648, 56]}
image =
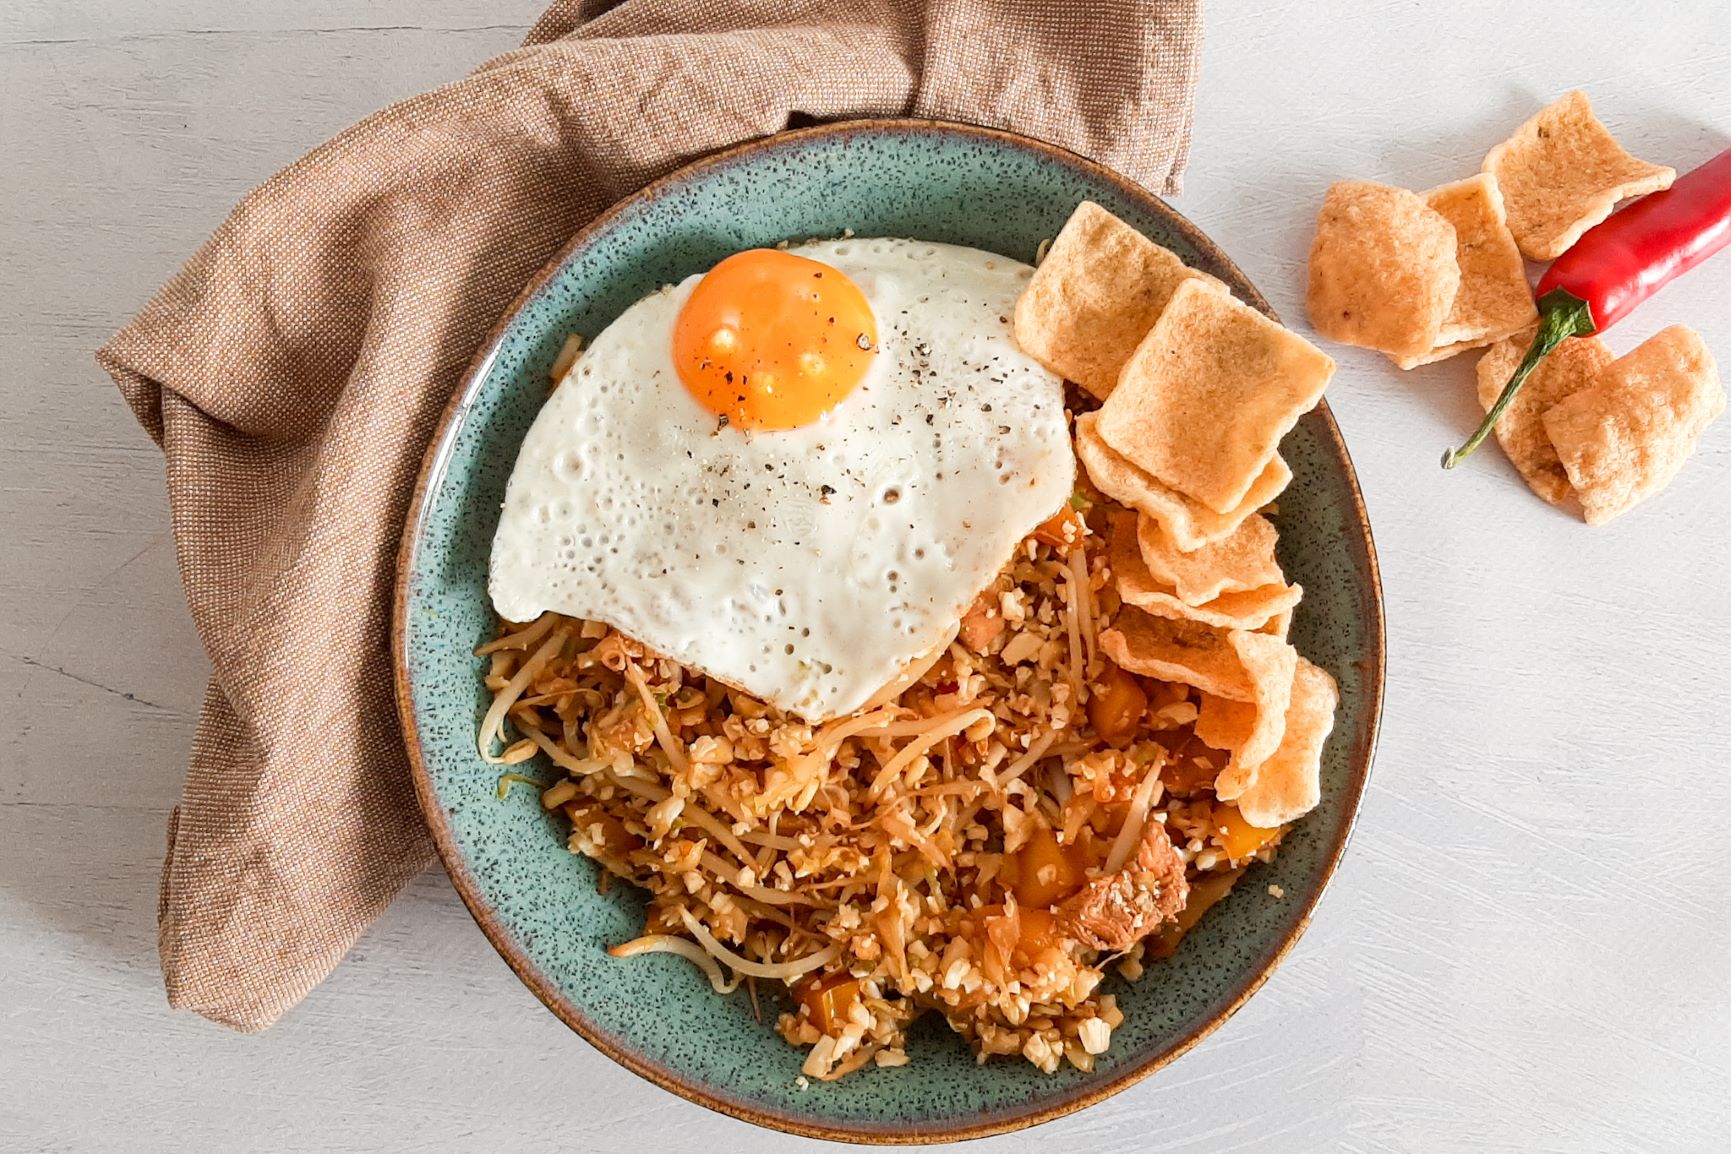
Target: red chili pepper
{"type": "Point", "coordinates": [1619, 263]}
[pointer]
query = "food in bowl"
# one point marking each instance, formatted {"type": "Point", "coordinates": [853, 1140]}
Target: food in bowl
{"type": "Point", "coordinates": [882, 701]}
{"type": "Point", "coordinates": [683, 486]}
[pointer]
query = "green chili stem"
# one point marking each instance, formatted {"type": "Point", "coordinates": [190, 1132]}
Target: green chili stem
{"type": "Point", "coordinates": [1562, 315]}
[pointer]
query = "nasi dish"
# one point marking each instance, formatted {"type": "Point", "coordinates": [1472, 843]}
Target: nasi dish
{"type": "Point", "coordinates": [906, 621]}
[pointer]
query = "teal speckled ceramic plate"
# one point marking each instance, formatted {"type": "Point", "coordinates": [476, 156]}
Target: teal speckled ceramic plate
{"type": "Point", "coordinates": [538, 903]}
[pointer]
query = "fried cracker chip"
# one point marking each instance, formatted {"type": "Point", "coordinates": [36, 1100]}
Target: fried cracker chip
{"type": "Point", "coordinates": [1440, 353]}
{"type": "Point", "coordinates": [1248, 609]}
{"type": "Point", "coordinates": [1223, 723]}
{"type": "Point", "coordinates": [1189, 523]}
{"type": "Point", "coordinates": [1203, 402]}
{"type": "Point", "coordinates": [1241, 561]}
{"type": "Point", "coordinates": [1231, 663]}
{"type": "Point", "coordinates": [1188, 652]}
{"type": "Point", "coordinates": [1252, 731]}
{"type": "Point", "coordinates": [1575, 364]}
{"type": "Point", "coordinates": [1272, 668]}
{"type": "Point", "coordinates": [1230, 725]}
{"type": "Point", "coordinates": [1288, 784]}
{"type": "Point", "coordinates": [1279, 625]}
{"type": "Point", "coordinates": [1562, 172]}
{"type": "Point", "coordinates": [1238, 776]}
{"type": "Point", "coordinates": [1254, 610]}
{"type": "Point", "coordinates": [1624, 437]}
{"type": "Point", "coordinates": [1493, 299]}
{"type": "Point", "coordinates": [1094, 297]}
{"type": "Point", "coordinates": [1382, 269]}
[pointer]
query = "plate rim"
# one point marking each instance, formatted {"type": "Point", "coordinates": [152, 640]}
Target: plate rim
{"type": "Point", "coordinates": [436, 457]}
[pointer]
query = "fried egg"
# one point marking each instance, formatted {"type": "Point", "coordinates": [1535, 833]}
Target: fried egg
{"type": "Point", "coordinates": [794, 472]}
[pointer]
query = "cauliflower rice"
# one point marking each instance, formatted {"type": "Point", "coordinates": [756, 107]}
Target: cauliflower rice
{"type": "Point", "coordinates": [982, 843]}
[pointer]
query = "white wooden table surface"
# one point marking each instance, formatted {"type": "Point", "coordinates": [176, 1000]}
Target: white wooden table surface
{"type": "Point", "coordinates": [1527, 948]}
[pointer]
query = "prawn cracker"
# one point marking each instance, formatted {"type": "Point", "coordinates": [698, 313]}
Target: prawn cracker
{"type": "Point", "coordinates": [1189, 523]}
{"type": "Point", "coordinates": [1440, 353]}
{"type": "Point", "coordinates": [1562, 172]}
{"type": "Point", "coordinates": [1204, 400]}
{"type": "Point", "coordinates": [1382, 269]}
{"type": "Point", "coordinates": [1571, 367]}
{"type": "Point", "coordinates": [1494, 299]}
{"type": "Point", "coordinates": [1279, 625]}
{"type": "Point", "coordinates": [1232, 663]}
{"type": "Point", "coordinates": [1242, 560]}
{"type": "Point", "coordinates": [1272, 665]}
{"type": "Point", "coordinates": [1250, 732]}
{"type": "Point", "coordinates": [1247, 609]}
{"type": "Point", "coordinates": [1623, 438]}
{"type": "Point", "coordinates": [1222, 723]}
{"type": "Point", "coordinates": [1288, 784]}
{"type": "Point", "coordinates": [1100, 288]}
{"type": "Point", "coordinates": [1187, 652]}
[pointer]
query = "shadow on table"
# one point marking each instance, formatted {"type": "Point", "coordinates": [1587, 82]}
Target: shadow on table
{"type": "Point", "coordinates": [104, 693]}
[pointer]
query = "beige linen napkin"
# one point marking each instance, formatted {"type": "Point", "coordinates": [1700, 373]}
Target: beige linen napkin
{"type": "Point", "coordinates": [294, 369]}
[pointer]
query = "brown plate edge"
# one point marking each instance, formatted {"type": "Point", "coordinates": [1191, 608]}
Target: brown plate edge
{"type": "Point", "coordinates": [1363, 753]}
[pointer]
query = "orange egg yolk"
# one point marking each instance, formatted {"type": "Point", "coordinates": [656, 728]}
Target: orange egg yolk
{"type": "Point", "coordinates": [770, 340]}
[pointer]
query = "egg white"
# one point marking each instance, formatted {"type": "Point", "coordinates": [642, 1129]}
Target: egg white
{"type": "Point", "coordinates": [806, 566]}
